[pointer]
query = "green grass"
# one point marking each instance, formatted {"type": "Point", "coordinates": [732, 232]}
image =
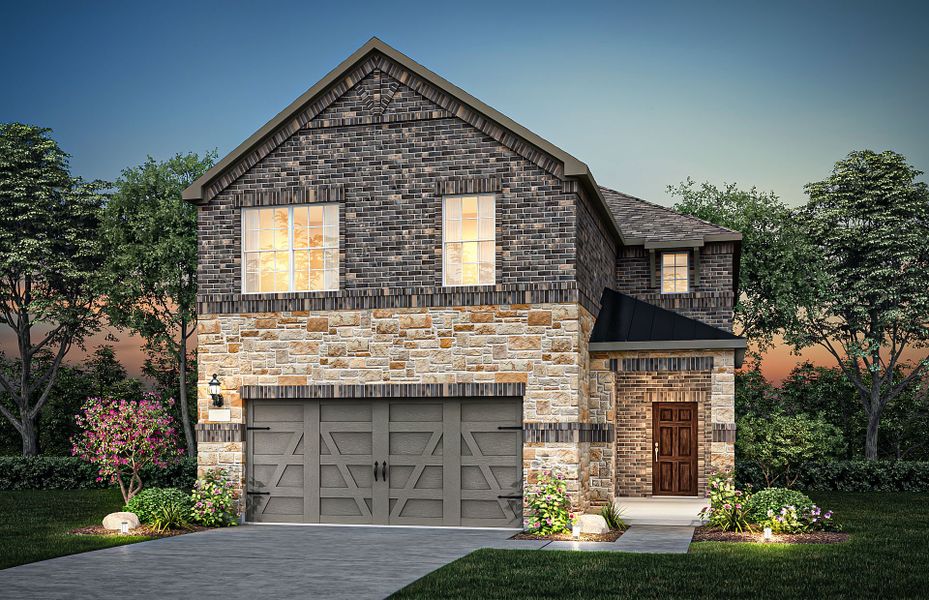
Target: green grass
{"type": "Point", "coordinates": [887, 556]}
{"type": "Point", "coordinates": [34, 524]}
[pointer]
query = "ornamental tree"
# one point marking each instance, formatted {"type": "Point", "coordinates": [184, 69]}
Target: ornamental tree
{"type": "Point", "coordinates": [120, 437]}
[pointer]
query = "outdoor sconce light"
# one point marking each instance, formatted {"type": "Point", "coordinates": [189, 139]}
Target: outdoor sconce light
{"type": "Point", "coordinates": [576, 531]}
{"type": "Point", "coordinates": [215, 391]}
{"type": "Point", "coordinates": [124, 527]}
{"type": "Point", "coordinates": [767, 534]}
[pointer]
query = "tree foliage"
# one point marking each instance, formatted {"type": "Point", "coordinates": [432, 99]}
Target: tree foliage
{"type": "Point", "coordinates": [866, 295]}
{"type": "Point", "coordinates": [781, 444]}
{"type": "Point", "coordinates": [100, 374]}
{"type": "Point", "coordinates": [121, 437]}
{"type": "Point", "coordinates": [772, 252]}
{"type": "Point", "coordinates": [50, 257]}
{"type": "Point", "coordinates": [151, 271]}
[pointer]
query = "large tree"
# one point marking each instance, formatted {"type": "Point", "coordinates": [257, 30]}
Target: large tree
{"type": "Point", "coordinates": [151, 238]}
{"type": "Point", "coordinates": [866, 295]}
{"type": "Point", "coordinates": [50, 256]}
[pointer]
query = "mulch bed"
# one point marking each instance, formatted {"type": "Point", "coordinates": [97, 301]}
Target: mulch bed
{"type": "Point", "coordinates": [142, 530]}
{"type": "Point", "coordinates": [708, 534]}
{"type": "Point", "coordinates": [610, 536]}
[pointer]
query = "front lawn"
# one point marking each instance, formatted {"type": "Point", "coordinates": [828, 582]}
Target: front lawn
{"type": "Point", "coordinates": [34, 524]}
{"type": "Point", "coordinates": [887, 556]}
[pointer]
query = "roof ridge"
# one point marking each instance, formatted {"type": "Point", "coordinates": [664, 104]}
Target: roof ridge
{"type": "Point", "coordinates": [668, 209]}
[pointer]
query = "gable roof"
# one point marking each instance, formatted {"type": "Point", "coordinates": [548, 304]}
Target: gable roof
{"type": "Point", "coordinates": [652, 225]}
{"type": "Point", "coordinates": [573, 168]}
{"type": "Point", "coordinates": [626, 323]}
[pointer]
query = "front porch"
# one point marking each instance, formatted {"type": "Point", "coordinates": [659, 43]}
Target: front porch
{"type": "Point", "coordinates": [660, 511]}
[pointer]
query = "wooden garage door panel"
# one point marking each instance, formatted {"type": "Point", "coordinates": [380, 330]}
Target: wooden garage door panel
{"type": "Point", "coordinates": [448, 462]}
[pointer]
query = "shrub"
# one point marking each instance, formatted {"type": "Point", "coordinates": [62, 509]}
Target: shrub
{"type": "Point", "coordinates": [613, 517]}
{"type": "Point", "coordinates": [72, 473]}
{"type": "Point", "coordinates": [214, 500]}
{"type": "Point", "coordinates": [728, 505]}
{"type": "Point", "coordinates": [173, 514]}
{"type": "Point", "coordinates": [149, 501]}
{"type": "Point", "coordinates": [779, 445]}
{"type": "Point", "coordinates": [549, 508]}
{"type": "Point", "coordinates": [120, 437]}
{"type": "Point", "coordinates": [790, 519]}
{"type": "Point", "coordinates": [852, 476]}
{"type": "Point", "coordinates": [774, 499]}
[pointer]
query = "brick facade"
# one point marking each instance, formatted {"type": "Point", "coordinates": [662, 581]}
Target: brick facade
{"type": "Point", "coordinates": [632, 381]}
{"type": "Point", "coordinates": [387, 145]}
{"type": "Point", "coordinates": [710, 300]}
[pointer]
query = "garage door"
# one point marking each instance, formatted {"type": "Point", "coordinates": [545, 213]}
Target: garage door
{"type": "Point", "coordinates": [451, 462]}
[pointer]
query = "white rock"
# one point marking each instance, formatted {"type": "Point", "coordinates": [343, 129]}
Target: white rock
{"type": "Point", "coordinates": [593, 524]}
{"type": "Point", "coordinates": [114, 521]}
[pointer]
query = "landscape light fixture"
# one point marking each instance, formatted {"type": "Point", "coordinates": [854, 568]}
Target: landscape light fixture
{"type": "Point", "coordinates": [215, 391]}
{"type": "Point", "coordinates": [124, 527]}
{"type": "Point", "coordinates": [767, 534]}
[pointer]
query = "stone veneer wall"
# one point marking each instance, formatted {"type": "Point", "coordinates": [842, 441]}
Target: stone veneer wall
{"type": "Point", "coordinates": [542, 346]}
{"type": "Point", "coordinates": [632, 387]}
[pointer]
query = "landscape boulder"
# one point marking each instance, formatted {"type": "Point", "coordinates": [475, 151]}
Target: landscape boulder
{"type": "Point", "coordinates": [114, 521]}
{"type": "Point", "coordinates": [593, 524]}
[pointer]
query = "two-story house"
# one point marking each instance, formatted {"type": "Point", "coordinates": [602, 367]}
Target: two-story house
{"type": "Point", "coordinates": [413, 306]}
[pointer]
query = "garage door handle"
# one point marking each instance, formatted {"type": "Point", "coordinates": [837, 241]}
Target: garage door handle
{"type": "Point", "coordinates": [375, 470]}
{"type": "Point", "coordinates": [384, 471]}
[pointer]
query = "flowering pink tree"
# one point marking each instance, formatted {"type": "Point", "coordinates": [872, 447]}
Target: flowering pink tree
{"type": "Point", "coordinates": [122, 436]}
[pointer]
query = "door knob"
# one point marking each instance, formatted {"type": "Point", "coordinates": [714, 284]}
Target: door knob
{"type": "Point", "coordinates": [375, 470]}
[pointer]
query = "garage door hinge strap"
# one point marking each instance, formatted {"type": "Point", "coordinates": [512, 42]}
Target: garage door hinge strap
{"type": "Point", "coordinates": [259, 493]}
{"type": "Point", "coordinates": [258, 429]}
{"type": "Point", "coordinates": [519, 497]}
{"type": "Point", "coordinates": [510, 427]}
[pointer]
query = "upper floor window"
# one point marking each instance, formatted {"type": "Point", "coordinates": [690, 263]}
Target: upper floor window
{"type": "Point", "coordinates": [469, 240]}
{"type": "Point", "coordinates": [291, 248]}
{"type": "Point", "coordinates": [674, 272]}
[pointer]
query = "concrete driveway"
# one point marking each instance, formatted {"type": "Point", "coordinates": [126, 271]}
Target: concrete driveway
{"type": "Point", "coordinates": [265, 562]}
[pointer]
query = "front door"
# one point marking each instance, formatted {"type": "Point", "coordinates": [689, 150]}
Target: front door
{"type": "Point", "coordinates": [674, 446]}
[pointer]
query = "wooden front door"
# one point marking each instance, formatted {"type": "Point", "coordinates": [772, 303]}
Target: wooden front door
{"type": "Point", "coordinates": [674, 449]}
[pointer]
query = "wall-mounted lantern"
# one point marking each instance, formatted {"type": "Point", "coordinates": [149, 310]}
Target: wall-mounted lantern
{"type": "Point", "coordinates": [216, 391]}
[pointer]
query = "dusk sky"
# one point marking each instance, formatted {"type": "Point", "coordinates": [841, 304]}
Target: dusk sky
{"type": "Point", "coordinates": [764, 94]}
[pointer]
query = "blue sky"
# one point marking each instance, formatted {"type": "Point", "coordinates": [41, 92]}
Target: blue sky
{"type": "Point", "coordinates": [762, 93]}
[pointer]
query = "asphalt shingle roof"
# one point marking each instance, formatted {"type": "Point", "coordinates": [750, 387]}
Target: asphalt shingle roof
{"type": "Point", "coordinates": [643, 222]}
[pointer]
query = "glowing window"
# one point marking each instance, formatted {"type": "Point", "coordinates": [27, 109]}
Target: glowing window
{"type": "Point", "coordinates": [291, 248]}
{"type": "Point", "coordinates": [674, 272]}
{"type": "Point", "coordinates": [468, 240]}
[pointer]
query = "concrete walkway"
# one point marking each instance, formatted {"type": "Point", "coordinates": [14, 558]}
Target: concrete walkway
{"type": "Point", "coordinates": [670, 539]}
{"type": "Point", "coordinates": [657, 539]}
{"type": "Point", "coordinates": [253, 561]}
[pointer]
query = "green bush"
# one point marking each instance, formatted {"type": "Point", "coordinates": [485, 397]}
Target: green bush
{"type": "Point", "coordinates": [214, 500]}
{"type": "Point", "coordinates": [71, 473]}
{"type": "Point", "coordinates": [149, 502]}
{"type": "Point", "coordinates": [549, 508]}
{"type": "Point", "coordinates": [774, 499]}
{"type": "Point", "coordinates": [728, 507]}
{"type": "Point", "coordinates": [779, 445]}
{"type": "Point", "coordinates": [850, 476]}
{"type": "Point", "coordinates": [173, 513]}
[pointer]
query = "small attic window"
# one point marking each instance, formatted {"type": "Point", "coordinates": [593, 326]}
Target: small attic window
{"type": "Point", "coordinates": [675, 267]}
